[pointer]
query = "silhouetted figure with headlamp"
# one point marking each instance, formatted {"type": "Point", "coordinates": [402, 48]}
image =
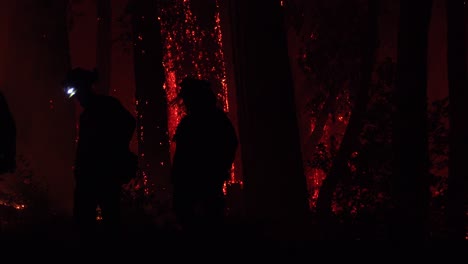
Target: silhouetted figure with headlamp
{"type": "Point", "coordinates": [7, 138]}
{"type": "Point", "coordinates": [103, 159]}
{"type": "Point", "coordinates": [206, 144]}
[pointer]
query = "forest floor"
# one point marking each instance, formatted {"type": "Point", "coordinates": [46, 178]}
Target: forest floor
{"type": "Point", "coordinates": [144, 237]}
{"type": "Point", "coordinates": [152, 233]}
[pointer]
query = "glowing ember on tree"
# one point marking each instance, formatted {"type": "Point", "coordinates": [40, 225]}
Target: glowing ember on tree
{"type": "Point", "coordinates": [191, 49]}
{"type": "Point", "coordinates": [16, 205]}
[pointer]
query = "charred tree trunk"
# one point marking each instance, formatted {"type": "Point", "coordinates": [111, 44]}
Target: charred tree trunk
{"type": "Point", "coordinates": [350, 140]}
{"type": "Point", "coordinates": [104, 45]}
{"type": "Point", "coordinates": [274, 182]}
{"type": "Point", "coordinates": [152, 125]}
{"type": "Point", "coordinates": [410, 135]}
{"type": "Point", "coordinates": [458, 111]}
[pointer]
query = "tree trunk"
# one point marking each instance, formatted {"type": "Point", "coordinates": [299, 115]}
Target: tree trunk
{"type": "Point", "coordinates": [410, 135]}
{"type": "Point", "coordinates": [274, 182]}
{"type": "Point", "coordinates": [104, 45]}
{"type": "Point", "coordinates": [5, 14]}
{"type": "Point", "coordinates": [234, 199]}
{"type": "Point", "coordinates": [304, 87]}
{"type": "Point", "coordinates": [38, 61]}
{"type": "Point", "coordinates": [152, 124]}
{"type": "Point", "coordinates": [458, 140]}
{"type": "Point", "coordinates": [351, 137]}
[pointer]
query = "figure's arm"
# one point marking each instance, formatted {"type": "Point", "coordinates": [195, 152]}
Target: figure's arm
{"type": "Point", "coordinates": [180, 154]}
{"type": "Point", "coordinates": [127, 122]}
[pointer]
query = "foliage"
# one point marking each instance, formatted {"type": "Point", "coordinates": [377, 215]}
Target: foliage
{"type": "Point", "coordinates": [438, 145]}
{"type": "Point", "coordinates": [332, 49]}
{"type": "Point", "coordinates": [23, 198]}
{"type": "Point", "coordinates": [367, 188]}
{"type": "Point", "coordinates": [332, 35]}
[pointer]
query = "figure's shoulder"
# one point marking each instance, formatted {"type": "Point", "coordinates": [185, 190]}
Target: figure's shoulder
{"type": "Point", "coordinates": [3, 101]}
{"type": "Point", "coordinates": [221, 113]}
{"type": "Point", "coordinates": [181, 127]}
{"type": "Point", "coordinates": [184, 122]}
{"type": "Point", "coordinates": [223, 117]}
{"type": "Point", "coordinates": [108, 99]}
{"type": "Point", "coordinates": [111, 102]}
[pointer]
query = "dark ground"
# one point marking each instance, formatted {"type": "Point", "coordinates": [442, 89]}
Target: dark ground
{"type": "Point", "coordinates": [143, 238]}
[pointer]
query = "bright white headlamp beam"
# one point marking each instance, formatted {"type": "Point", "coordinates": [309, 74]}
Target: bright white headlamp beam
{"type": "Point", "coordinates": [70, 91]}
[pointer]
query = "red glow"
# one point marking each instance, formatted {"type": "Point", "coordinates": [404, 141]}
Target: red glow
{"type": "Point", "coordinates": [184, 37]}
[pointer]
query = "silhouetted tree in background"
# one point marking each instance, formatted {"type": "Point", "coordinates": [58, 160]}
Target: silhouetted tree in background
{"type": "Point", "coordinates": [339, 167]}
{"type": "Point", "coordinates": [37, 62]}
{"type": "Point", "coordinates": [274, 183]}
{"type": "Point", "coordinates": [332, 35]}
{"type": "Point", "coordinates": [458, 111]}
{"type": "Point", "coordinates": [104, 45]}
{"type": "Point", "coordinates": [410, 190]}
{"type": "Point", "coordinates": [152, 106]}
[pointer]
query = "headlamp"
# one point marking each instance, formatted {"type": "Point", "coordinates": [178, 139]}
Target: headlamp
{"type": "Point", "coordinates": [70, 91]}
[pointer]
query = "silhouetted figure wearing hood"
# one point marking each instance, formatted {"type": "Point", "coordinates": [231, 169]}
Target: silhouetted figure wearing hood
{"type": "Point", "coordinates": [102, 157]}
{"type": "Point", "coordinates": [206, 144]}
{"type": "Point", "coordinates": [7, 138]}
